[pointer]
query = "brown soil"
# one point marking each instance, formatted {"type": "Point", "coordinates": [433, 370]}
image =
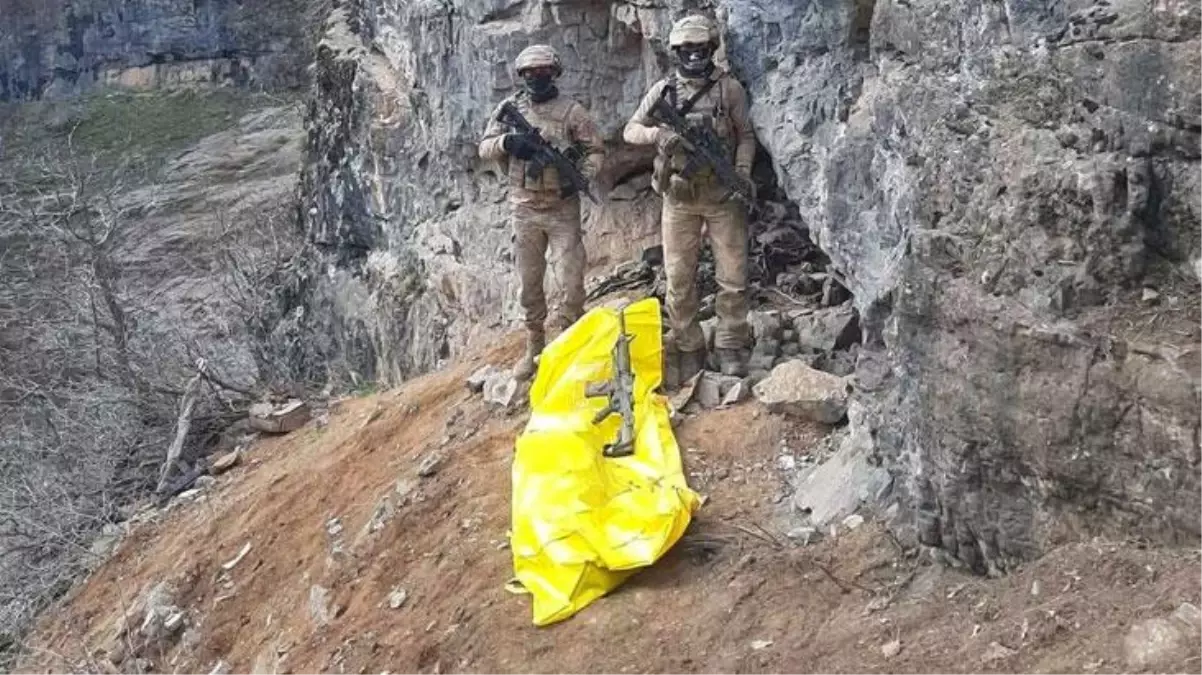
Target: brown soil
{"type": "Point", "coordinates": [733, 596]}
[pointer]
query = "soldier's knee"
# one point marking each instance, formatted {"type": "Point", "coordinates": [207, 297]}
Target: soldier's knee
{"type": "Point", "coordinates": [680, 280]}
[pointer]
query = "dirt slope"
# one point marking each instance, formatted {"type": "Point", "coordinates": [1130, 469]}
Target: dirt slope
{"type": "Point", "coordinates": [733, 596]}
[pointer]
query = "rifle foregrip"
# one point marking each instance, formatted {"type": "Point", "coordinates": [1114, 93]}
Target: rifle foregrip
{"type": "Point", "coordinates": [602, 414]}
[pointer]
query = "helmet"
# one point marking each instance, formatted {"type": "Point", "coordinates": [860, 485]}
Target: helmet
{"type": "Point", "coordinates": [693, 29]}
{"type": "Point", "coordinates": [535, 56]}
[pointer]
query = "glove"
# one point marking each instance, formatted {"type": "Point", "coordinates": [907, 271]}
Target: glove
{"type": "Point", "coordinates": [522, 146]}
{"type": "Point", "coordinates": [668, 141]}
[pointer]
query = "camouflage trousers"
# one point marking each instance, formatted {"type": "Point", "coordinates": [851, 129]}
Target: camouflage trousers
{"type": "Point", "coordinates": [726, 228]}
{"type": "Point", "coordinates": [549, 234]}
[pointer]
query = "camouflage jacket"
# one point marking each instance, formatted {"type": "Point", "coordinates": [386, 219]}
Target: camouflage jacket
{"type": "Point", "coordinates": [562, 121]}
{"type": "Point", "coordinates": [723, 108]}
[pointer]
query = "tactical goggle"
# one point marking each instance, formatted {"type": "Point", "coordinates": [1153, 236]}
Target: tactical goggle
{"type": "Point", "coordinates": [696, 49]}
{"type": "Point", "coordinates": [539, 71]}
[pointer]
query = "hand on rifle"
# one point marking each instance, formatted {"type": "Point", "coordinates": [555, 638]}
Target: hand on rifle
{"type": "Point", "coordinates": [668, 141]}
{"type": "Point", "coordinates": [521, 146]}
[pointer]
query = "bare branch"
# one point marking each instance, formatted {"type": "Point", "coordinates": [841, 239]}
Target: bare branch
{"type": "Point", "coordinates": [182, 424]}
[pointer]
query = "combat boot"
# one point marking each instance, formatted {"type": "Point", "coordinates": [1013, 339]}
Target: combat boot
{"type": "Point", "coordinates": [691, 363]}
{"type": "Point", "coordinates": [526, 366]}
{"type": "Point", "coordinates": [732, 362]}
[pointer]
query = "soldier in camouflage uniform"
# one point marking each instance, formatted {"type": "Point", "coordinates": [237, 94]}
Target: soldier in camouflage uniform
{"type": "Point", "coordinates": [705, 94]}
{"type": "Point", "coordinates": [543, 218]}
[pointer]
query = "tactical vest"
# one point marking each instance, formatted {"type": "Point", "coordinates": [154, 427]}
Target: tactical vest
{"type": "Point", "coordinates": [552, 119]}
{"type": "Point", "coordinates": [711, 110]}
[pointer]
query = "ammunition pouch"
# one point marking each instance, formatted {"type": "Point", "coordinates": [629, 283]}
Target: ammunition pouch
{"type": "Point", "coordinates": [681, 189]}
{"type": "Point", "coordinates": [679, 178]}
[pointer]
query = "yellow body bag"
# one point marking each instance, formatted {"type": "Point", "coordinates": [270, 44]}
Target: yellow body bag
{"type": "Point", "coordinates": [582, 522]}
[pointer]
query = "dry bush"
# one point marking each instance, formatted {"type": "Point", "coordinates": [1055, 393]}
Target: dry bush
{"type": "Point", "coordinates": [71, 404]}
{"type": "Point", "coordinates": [89, 391]}
{"type": "Point", "coordinates": [259, 260]}
{"type": "Point", "coordinates": [59, 460]}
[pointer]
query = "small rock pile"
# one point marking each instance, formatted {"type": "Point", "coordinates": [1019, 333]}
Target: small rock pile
{"type": "Point", "coordinates": [799, 365]}
{"type": "Point", "coordinates": [146, 629]}
{"type": "Point", "coordinates": [500, 389]}
{"type": "Point", "coordinates": [825, 339]}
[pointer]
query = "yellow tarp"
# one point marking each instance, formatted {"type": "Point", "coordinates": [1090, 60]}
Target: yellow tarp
{"type": "Point", "coordinates": [582, 522]}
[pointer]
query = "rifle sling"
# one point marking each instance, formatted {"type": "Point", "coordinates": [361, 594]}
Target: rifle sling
{"type": "Point", "coordinates": [691, 101]}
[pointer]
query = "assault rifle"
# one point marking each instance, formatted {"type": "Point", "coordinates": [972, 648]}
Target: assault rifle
{"type": "Point", "coordinates": [619, 390]}
{"type": "Point", "coordinates": [569, 176]}
{"type": "Point", "coordinates": [704, 149]}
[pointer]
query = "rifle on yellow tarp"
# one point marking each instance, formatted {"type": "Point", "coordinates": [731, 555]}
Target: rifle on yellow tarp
{"type": "Point", "coordinates": [619, 392]}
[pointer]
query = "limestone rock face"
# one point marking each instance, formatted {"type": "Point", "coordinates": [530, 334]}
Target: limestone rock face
{"type": "Point", "coordinates": [414, 247]}
{"type": "Point", "coordinates": [55, 48]}
{"type": "Point", "coordinates": [996, 182]}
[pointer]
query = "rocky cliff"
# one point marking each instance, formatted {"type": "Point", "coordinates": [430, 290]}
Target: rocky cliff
{"type": "Point", "coordinates": [412, 225]}
{"type": "Point", "coordinates": [999, 180]}
{"type": "Point", "coordinates": [62, 47]}
{"type": "Point", "coordinates": [1008, 186]}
